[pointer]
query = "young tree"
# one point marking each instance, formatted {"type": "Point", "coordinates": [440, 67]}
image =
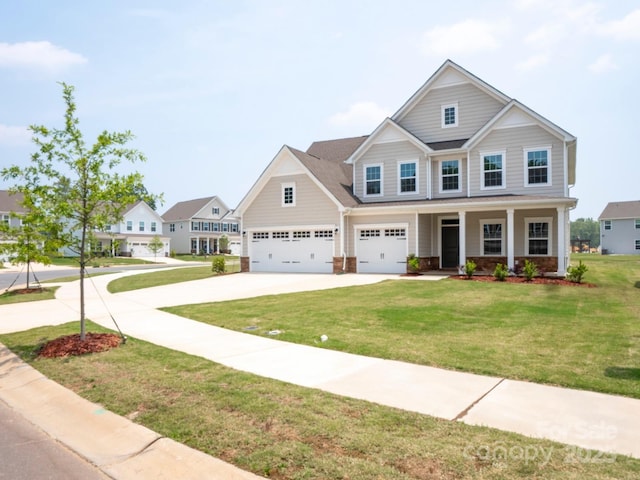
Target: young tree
{"type": "Point", "coordinates": [223, 243]}
{"type": "Point", "coordinates": [155, 245]}
{"type": "Point", "coordinates": [77, 186]}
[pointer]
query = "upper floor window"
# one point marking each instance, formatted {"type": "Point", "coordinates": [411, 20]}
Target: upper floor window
{"type": "Point", "coordinates": [373, 179]}
{"type": "Point", "coordinates": [607, 224]}
{"type": "Point", "coordinates": [153, 226]}
{"type": "Point", "coordinates": [288, 194]}
{"type": "Point", "coordinates": [492, 237]}
{"type": "Point", "coordinates": [5, 219]}
{"type": "Point", "coordinates": [538, 241]}
{"type": "Point", "coordinates": [195, 226]}
{"type": "Point", "coordinates": [637, 223]}
{"type": "Point", "coordinates": [538, 163]}
{"type": "Point", "coordinates": [450, 176]}
{"type": "Point", "coordinates": [449, 115]}
{"type": "Point", "coordinates": [215, 211]}
{"type": "Point", "coordinates": [141, 226]}
{"type": "Point", "coordinates": [129, 226]}
{"type": "Point", "coordinates": [493, 170]}
{"type": "Point", "coordinates": [407, 176]}
{"type": "Point", "coordinates": [172, 227]}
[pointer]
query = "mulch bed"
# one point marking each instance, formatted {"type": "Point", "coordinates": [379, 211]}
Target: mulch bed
{"type": "Point", "coordinates": [534, 281]}
{"type": "Point", "coordinates": [71, 345]}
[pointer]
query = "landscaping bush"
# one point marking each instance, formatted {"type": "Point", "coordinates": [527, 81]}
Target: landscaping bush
{"type": "Point", "coordinates": [530, 270]}
{"type": "Point", "coordinates": [218, 265]}
{"type": "Point", "coordinates": [501, 272]}
{"type": "Point", "coordinates": [575, 274]}
{"type": "Point", "coordinates": [413, 262]}
{"type": "Point", "coordinates": [470, 268]}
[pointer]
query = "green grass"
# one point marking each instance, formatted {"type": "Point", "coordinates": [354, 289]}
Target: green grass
{"type": "Point", "coordinates": [14, 297]}
{"type": "Point", "coordinates": [187, 257]}
{"type": "Point", "coordinates": [574, 336]}
{"type": "Point", "coordinates": [98, 262]}
{"type": "Point", "coordinates": [283, 431]}
{"type": "Point", "coordinates": [166, 277]}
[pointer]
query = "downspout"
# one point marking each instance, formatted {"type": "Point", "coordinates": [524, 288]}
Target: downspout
{"type": "Point", "coordinates": [342, 239]}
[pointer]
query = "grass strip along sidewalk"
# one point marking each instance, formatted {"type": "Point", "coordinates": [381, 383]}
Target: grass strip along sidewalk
{"type": "Point", "coordinates": [287, 432]}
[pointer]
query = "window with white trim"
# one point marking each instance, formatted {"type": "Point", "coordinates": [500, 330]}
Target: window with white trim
{"type": "Point", "coordinates": [538, 236]}
{"type": "Point", "coordinates": [129, 226]}
{"type": "Point", "coordinates": [449, 115]}
{"type": "Point", "coordinates": [5, 219]}
{"type": "Point", "coordinates": [537, 166]}
{"type": "Point", "coordinates": [449, 176]}
{"type": "Point", "coordinates": [153, 226]}
{"type": "Point", "coordinates": [637, 223]}
{"type": "Point", "coordinates": [215, 210]}
{"type": "Point", "coordinates": [607, 224]}
{"type": "Point", "coordinates": [141, 226]}
{"type": "Point", "coordinates": [172, 227]}
{"type": "Point", "coordinates": [492, 237]}
{"type": "Point", "coordinates": [407, 177]}
{"type": "Point", "coordinates": [637, 244]}
{"type": "Point", "coordinates": [373, 180]}
{"type": "Point", "coordinates": [493, 170]}
{"type": "Point", "coordinates": [288, 194]}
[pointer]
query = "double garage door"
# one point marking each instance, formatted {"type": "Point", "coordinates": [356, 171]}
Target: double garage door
{"type": "Point", "coordinates": [308, 251]}
{"type": "Point", "coordinates": [381, 250]}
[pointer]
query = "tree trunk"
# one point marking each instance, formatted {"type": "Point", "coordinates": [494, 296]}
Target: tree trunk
{"type": "Point", "coordinates": [28, 263]}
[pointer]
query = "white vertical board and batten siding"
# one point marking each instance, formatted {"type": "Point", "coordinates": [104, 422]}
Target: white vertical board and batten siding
{"type": "Point", "coordinates": [388, 155]}
{"type": "Point", "coordinates": [475, 109]}
{"type": "Point", "coordinates": [513, 141]}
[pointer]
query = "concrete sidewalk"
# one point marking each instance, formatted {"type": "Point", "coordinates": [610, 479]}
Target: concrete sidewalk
{"type": "Point", "coordinates": [590, 420]}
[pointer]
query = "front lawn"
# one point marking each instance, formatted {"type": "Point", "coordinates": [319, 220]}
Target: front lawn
{"type": "Point", "coordinates": [574, 336]}
{"type": "Point", "coordinates": [98, 261]}
{"type": "Point", "coordinates": [17, 296]}
{"type": "Point", "coordinates": [283, 431]}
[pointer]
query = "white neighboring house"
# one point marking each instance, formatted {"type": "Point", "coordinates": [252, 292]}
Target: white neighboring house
{"type": "Point", "coordinates": [620, 228]}
{"type": "Point", "coordinates": [9, 205]}
{"type": "Point", "coordinates": [132, 235]}
{"type": "Point", "coordinates": [195, 226]}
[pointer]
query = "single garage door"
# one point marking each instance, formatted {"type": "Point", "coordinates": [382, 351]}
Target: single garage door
{"type": "Point", "coordinates": [382, 250]}
{"type": "Point", "coordinates": [309, 251]}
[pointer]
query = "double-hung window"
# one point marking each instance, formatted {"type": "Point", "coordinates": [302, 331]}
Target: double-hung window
{"type": "Point", "coordinates": [607, 225]}
{"type": "Point", "coordinates": [538, 231]}
{"type": "Point", "coordinates": [129, 226]}
{"type": "Point", "coordinates": [493, 170]}
{"type": "Point", "coordinates": [141, 226]}
{"type": "Point", "coordinates": [449, 115]}
{"type": "Point", "coordinates": [408, 176]}
{"type": "Point", "coordinates": [492, 237]}
{"type": "Point", "coordinates": [637, 223]}
{"type": "Point", "coordinates": [288, 194]}
{"type": "Point", "coordinates": [538, 166]}
{"type": "Point", "coordinates": [638, 245]}
{"type": "Point", "coordinates": [373, 179]}
{"type": "Point", "coordinates": [5, 219]}
{"type": "Point", "coordinates": [172, 227]}
{"type": "Point", "coordinates": [153, 226]}
{"type": "Point", "coordinates": [450, 176]}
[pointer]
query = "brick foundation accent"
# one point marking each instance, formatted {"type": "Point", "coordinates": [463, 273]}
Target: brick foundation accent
{"type": "Point", "coordinates": [488, 264]}
{"type": "Point", "coordinates": [244, 264]}
{"type": "Point", "coordinates": [350, 266]}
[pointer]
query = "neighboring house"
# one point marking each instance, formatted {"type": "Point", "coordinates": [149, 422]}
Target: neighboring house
{"type": "Point", "coordinates": [620, 228]}
{"type": "Point", "coordinates": [460, 171]}
{"type": "Point", "coordinates": [195, 226]}
{"type": "Point", "coordinates": [10, 204]}
{"type": "Point", "coordinates": [132, 235]}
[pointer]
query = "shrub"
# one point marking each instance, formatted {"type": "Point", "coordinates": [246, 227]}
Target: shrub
{"type": "Point", "coordinates": [413, 262]}
{"type": "Point", "coordinates": [470, 268]}
{"type": "Point", "coordinates": [530, 270]}
{"type": "Point", "coordinates": [575, 274]}
{"type": "Point", "coordinates": [218, 265]}
{"type": "Point", "coordinates": [500, 273]}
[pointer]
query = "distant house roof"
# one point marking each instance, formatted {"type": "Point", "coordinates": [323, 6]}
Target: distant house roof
{"type": "Point", "coordinates": [186, 210]}
{"type": "Point", "coordinates": [447, 145]}
{"type": "Point", "coordinates": [11, 202]}
{"type": "Point", "coordinates": [621, 210]}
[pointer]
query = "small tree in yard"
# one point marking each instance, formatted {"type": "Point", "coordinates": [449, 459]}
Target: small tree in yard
{"type": "Point", "coordinates": [223, 244]}
{"type": "Point", "coordinates": [155, 245]}
{"type": "Point", "coordinates": [76, 186]}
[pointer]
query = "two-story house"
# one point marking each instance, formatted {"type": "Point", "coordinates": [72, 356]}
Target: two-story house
{"type": "Point", "coordinates": [620, 228]}
{"type": "Point", "coordinates": [460, 171]}
{"type": "Point", "coordinates": [195, 226]}
{"type": "Point", "coordinates": [10, 205]}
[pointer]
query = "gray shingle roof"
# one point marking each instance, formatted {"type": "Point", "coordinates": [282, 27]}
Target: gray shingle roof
{"type": "Point", "coordinates": [447, 145]}
{"type": "Point", "coordinates": [10, 202]}
{"type": "Point", "coordinates": [185, 210]}
{"type": "Point", "coordinates": [620, 210]}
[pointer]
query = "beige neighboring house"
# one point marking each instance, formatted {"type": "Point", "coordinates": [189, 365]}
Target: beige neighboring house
{"type": "Point", "coordinates": [10, 204]}
{"type": "Point", "coordinates": [461, 171]}
{"type": "Point", "coordinates": [620, 228]}
{"type": "Point", "coordinates": [195, 226]}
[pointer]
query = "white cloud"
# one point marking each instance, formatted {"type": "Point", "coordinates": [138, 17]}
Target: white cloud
{"type": "Point", "coordinates": [604, 63]}
{"type": "Point", "coordinates": [546, 36]}
{"type": "Point", "coordinates": [469, 36]}
{"type": "Point", "coordinates": [14, 136]}
{"type": "Point", "coordinates": [533, 62]}
{"type": "Point", "coordinates": [626, 29]}
{"type": "Point", "coordinates": [361, 114]}
{"type": "Point", "coordinates": [42, 55]}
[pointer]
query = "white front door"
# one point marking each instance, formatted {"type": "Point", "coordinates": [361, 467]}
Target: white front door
{"type": "Point", "coordinates": [381, 250]}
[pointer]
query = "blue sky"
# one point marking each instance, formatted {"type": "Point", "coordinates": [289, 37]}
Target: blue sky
{"type": "Point", "coordinates": [213, 89]}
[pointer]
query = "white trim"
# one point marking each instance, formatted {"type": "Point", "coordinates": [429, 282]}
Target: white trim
{"type": "Point", "coordinates": [364, 180]}
{"type": "Point", "coordinates": [527, 221]}
{"type": "Point", "coordinates": [492, 221]}
{"type": "Point", "coordinates": [525, 152]}
{"type": "Point", "coordinates": [502, 153]}
{"type": "Point", "coordinates": [417, 176]}
{"type": "Point", "coordinates": [283, 187]}
{"type": "Point", "coordinates": [456, 112]}
{"type": "Point", "coordinates": [440, 190]}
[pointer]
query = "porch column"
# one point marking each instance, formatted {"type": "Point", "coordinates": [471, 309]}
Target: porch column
{"type": "Point", "coordinates": [510, 240]}
{"type": "Point", "coordinates": [208, 246]}
{"type": "Point", "coordinates": [462, 228]}
{"type": "Point", "coordinates": [562, 247]}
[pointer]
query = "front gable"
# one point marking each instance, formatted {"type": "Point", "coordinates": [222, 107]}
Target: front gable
{"type": "Point", "coordinates": [214, 209]}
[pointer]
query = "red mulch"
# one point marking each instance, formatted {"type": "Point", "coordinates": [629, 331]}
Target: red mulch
{"type": "Point", "coordinates": [72, 345]}
{"type": "Point", "coordinates": [21, 291]}
{"type": "Point", "coordinates": [535, 280]}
